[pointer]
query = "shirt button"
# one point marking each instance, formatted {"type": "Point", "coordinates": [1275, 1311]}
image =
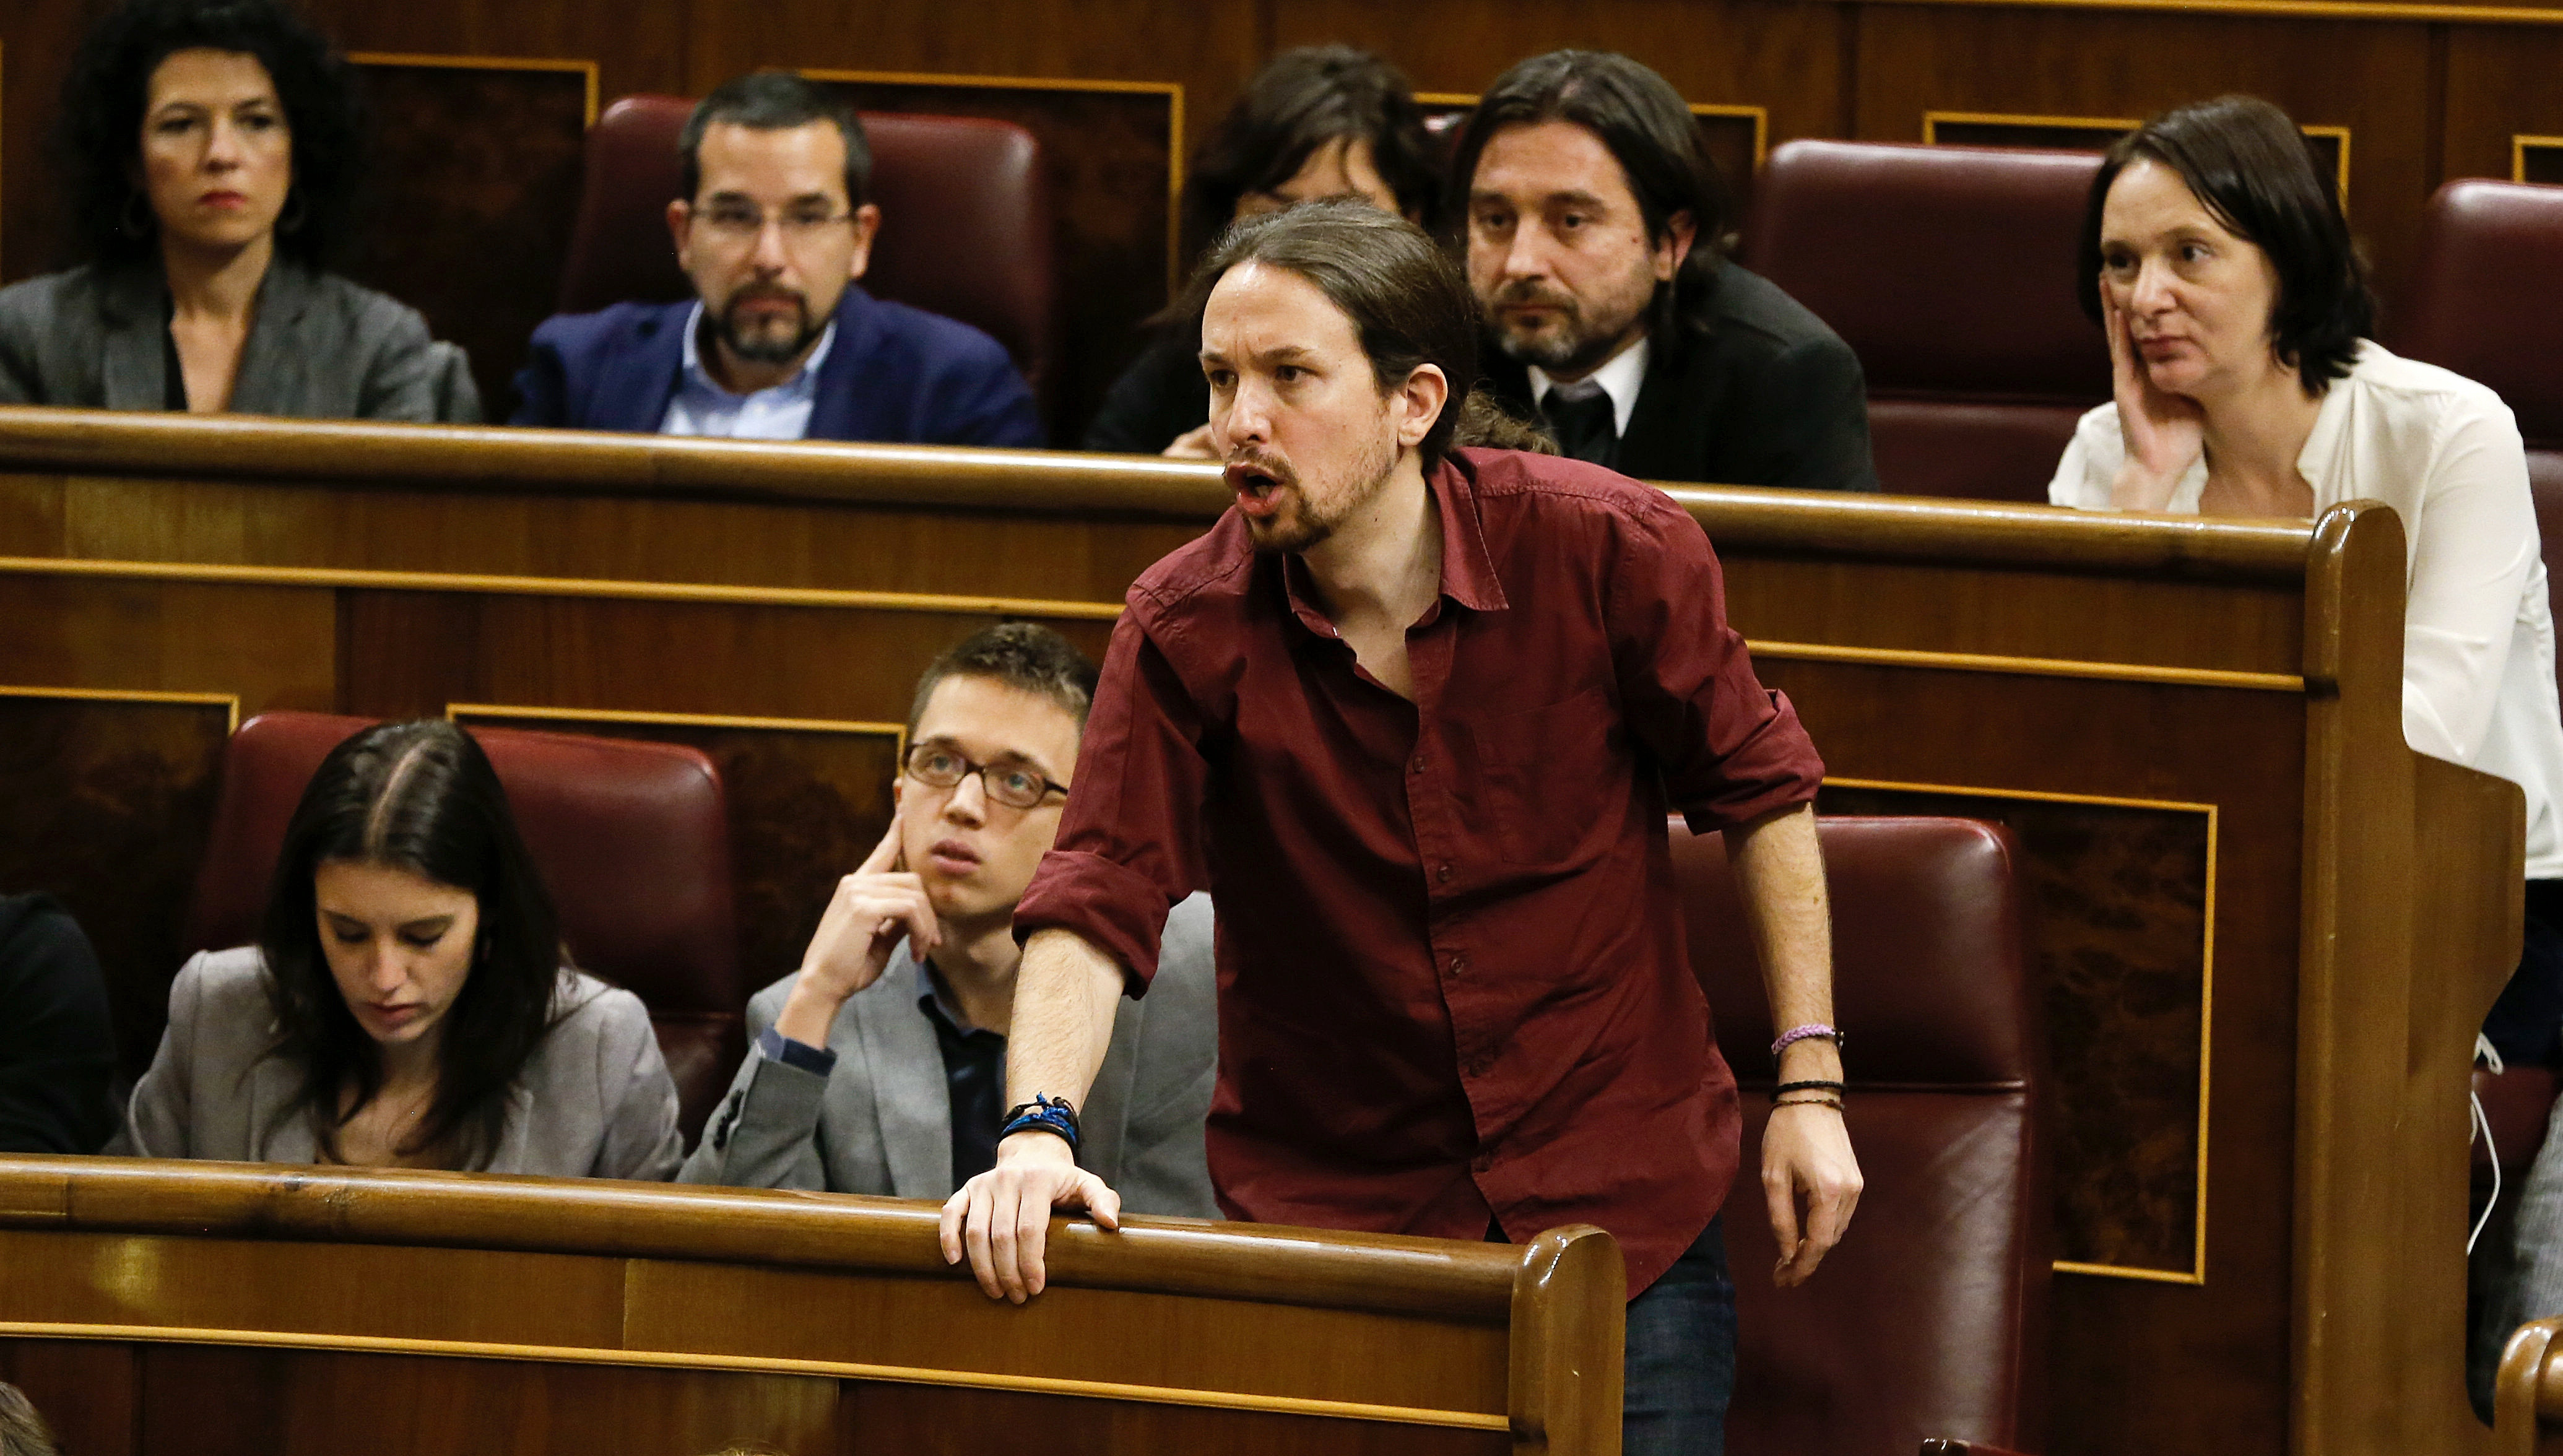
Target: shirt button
{"type": "Point", "coordinates": [1442, 874]}
{"type": "Point", "coordinates": [1459, 965]}
{"type": "Point", "coordinates": [1418, 766]}
{"type": "Point", "coordinates": [1483, 1161]}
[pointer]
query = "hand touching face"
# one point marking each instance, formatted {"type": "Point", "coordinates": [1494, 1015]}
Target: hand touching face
{"type": "Point", "coordinates": [2193, 298]}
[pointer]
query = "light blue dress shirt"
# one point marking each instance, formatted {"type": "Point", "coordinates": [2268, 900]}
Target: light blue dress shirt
{"type": "Point", "coordinates": [703, 407]}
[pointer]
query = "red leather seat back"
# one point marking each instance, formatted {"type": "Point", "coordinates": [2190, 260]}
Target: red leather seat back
{"type": "Point", "coordinates": [1929, 1320]}
{"type": "Point", "coordinates": [2481, 302]}
{"type": "Point", "coordinates": [965, 220]}
{"type": "Point", "coordinates": [1949, 270]}
{"type": "Point", "coordinates": [632, 838]}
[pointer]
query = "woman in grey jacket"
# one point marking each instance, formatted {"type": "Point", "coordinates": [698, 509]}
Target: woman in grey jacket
{"type": "Point", "coordinates": [406, 1004]}
{"type": "Point", "coordinates": [210, 146]}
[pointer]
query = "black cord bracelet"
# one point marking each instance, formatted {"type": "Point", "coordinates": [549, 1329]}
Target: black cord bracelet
{"type": "Point", "coordinates": [1785, 1088]}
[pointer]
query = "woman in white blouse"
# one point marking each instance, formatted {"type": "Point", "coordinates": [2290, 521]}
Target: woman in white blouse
{"type": "Point", "coordinates": [2236, 306]}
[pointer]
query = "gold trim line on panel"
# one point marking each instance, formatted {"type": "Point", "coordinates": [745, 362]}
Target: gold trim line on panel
{"type": "Point", "coordinates": [456, 712]}
{"type": "Point", "coordinates": [2197, 1271]}
{"type": "Point", "coordinates": [484, 63]}
{"type": "Point", "coordinates": [2291, 9]}
{"type": "Point", "coordinates": [2039, 667]}
{"type": "Point", "coordinates": [1173, 91]}
{"type": "Point", "coordinates": [360, 579]}
{"type": "Point", "coordinates": [1761, 114]}
{"type": "Point", "coordinates": [769, 1364]}
{"type": "Point", "coordinates": [228, 701]}
{"type": "Point", "coordinates": [1931, 131]}
{"type": "Point", "coordinates": [2519, 143]}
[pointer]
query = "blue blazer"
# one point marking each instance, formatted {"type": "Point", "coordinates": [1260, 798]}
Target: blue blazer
{"type": "Point", "coordinates": [896, 375]}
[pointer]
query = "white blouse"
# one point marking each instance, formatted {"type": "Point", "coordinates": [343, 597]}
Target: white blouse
{"type": "Point", "coordinates": [2477, 634]}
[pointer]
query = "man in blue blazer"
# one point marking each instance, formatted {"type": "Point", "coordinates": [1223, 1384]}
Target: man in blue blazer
{"type": "Point", "coordinates": [780, 342]}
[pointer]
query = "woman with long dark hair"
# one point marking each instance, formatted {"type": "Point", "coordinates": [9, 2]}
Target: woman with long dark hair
{"type": "Point", "coordinates": [209, 150]}
{"type": "Point", "coordinates": [407, 1003]}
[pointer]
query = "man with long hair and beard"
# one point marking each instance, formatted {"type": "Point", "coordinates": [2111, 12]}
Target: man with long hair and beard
{"type": "Point", "coordinates": [1414, 712]}
{"type": "Point", "coordinates": [780, 341]}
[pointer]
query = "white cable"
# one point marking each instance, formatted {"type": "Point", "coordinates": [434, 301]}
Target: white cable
{"type": "Point", "coordinates": [2482, 1124]}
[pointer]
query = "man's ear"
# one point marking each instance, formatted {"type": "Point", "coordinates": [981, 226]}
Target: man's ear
{"type": "Point", "coordinates": [1680, 231]}
{"type": "Point", "coordinates": [680, 230]}
{"type": "Point", "coordinates": [866, 226]}
{"type": "Point", "coordinates": [1424, 395]}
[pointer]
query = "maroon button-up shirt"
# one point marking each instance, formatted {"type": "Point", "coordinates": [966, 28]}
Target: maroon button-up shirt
{"type": "Point", "coordinates": [1452, 978]}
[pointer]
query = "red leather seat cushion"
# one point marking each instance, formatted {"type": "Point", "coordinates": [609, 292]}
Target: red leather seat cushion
{"type": "Point", "coordinates": [632, 839]}
{"type": "Point", "coordinates": [965, 220]}
{"type": "Point", "coordinates": [2481, 302]}
{"type": "Point", "coordinates": [1929, 1320]}
{"type": "Point", "coordinates": [1977, 450]}
{"type": "Point", "coordinates": [2518, 1105]}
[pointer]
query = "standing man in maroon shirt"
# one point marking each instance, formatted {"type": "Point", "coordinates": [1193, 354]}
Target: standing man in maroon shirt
{"type": "Point", "coordinates": [1415, 717]}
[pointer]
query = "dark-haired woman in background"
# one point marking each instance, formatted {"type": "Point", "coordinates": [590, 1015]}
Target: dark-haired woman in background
{"type": "Point", "coordinates": [406, 1004]}
{"type": "Point", "coordinates": [2237, 308]}
{"type": "Point", "coordinates": [211, 147]}
{"type": "Point", "coordinates": [1318, 121]}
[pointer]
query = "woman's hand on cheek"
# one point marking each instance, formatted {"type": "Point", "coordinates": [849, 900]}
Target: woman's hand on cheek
{"type": "Point", "coordinates": [2164, 433]}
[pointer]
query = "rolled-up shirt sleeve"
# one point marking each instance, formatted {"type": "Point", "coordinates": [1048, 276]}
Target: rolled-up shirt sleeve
{"type": "Point", "coordinates": [1129, 842]}
{"type": "Point", "coordinates": [1731, 750]}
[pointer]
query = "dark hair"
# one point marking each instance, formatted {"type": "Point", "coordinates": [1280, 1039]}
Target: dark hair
{"type": "Point", "coordinates": [1301, 100]}
{"type": "Point", "coordinates": [98, 130]}
{"type": "Point", "coordinates": [2247, 165]}
{"type": "Point", "coordinates": [421, 798]}
{"type": "Point", "coordinates": [776, 101]}
{"type": "Point", "coordinates": [1644, 124]}
{"type": "Point", "coordinates": [1407, 300]}
{"type": "Point", "coordinates": [1025, 656]}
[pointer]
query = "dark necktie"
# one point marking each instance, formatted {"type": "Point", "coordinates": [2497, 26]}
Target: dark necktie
{"type": "Point", "coordinates": [1587, 428]}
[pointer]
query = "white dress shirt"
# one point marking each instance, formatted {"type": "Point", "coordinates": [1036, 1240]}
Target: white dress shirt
{"type": "Point", "coordinates": [703, 407]}
{"type": "Point", "coordinates": [2478, 633]}
{"type": "Point", "coordinates": [1621, 378]}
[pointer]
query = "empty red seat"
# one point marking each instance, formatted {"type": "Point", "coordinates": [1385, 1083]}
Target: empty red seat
{"type": "Point", "coordinates": [632, 839]}
{"type": "Point", "coordinates": [1949, 270]}
{"type": "Point", "coordinates": [1929, 1319]}
{"type": "Point", "coordinates": [965, 220]}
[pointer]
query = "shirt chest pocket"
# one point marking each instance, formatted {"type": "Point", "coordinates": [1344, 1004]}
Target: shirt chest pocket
{"type": "Point", "coordinates": [1546, 785]}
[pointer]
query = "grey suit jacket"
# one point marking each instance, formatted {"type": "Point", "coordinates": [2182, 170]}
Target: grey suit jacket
{"type": "Point", "coordinates": [594, 1101]}
{"type": "Point", "coordinates": [319, 347]}
{"type": "Point", "coordinates": [882, 1122]}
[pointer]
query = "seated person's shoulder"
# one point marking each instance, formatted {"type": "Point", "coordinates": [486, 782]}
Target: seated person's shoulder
{"type": "Point", "coordinates": [1755, 319]}
{"type": "Point", "coordinates": [222, 982]}
{"type": "Point", "coordinates": [583, 1005]}
{"type": "Point", "coordinates": [41, 299]}
{"type": "Point", "coordinates": [366, 311]}
{"type": "Point", "coordinates": [617, 324]}
{"type": "Point", "coordinates": [933, 339]}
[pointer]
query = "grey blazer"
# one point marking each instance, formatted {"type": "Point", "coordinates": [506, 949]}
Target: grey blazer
{"type": "Point", "coordinates": [319, 347]}
{"type": "Point", "coordinates": [882, 1122]}
{"type": "Point", "coordinates": [594, 1101]}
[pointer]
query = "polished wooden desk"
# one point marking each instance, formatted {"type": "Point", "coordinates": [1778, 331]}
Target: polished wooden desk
{"type": "Point", "coordinates": [2268, 928]}
{"type": "Point", "coordinates": [264, 1310]}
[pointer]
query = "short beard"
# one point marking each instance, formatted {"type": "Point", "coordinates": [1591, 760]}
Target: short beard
{"type": "Point", "coordinates": [1574, 349]}
{"type": "Point", "coordinates": [767, 349]}
{"type": "Point", "coordinates": [1308, 525]}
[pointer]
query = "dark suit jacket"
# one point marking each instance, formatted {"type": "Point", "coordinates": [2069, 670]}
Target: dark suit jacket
{"type": "Point", "coordinates": [1771, 397]}
{"type": "Point", "coordinates": [319, 347]}
{"type": "Point", "coordinates": [896, 375]}
{"type": "Point", "coordinates": [57, 1054]}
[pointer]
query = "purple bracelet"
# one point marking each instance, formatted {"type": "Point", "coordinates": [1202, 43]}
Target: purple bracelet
{"type": "Point", "coordinates": [1805, 1033]}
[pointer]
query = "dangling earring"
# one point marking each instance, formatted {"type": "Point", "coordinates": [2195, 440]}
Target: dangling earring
{"type": "Point", "coordinates": [295, 213]}
{"type": "Point", "coordinates": [137, 218]}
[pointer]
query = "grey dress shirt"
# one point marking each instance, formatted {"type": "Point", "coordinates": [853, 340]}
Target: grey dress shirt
{"type": "Point", "coordinates": [882, 1121]}
{"type": "Point", "coordinates": [318, 347]}
{"type": "Point", "coordinates": [594, 1100]}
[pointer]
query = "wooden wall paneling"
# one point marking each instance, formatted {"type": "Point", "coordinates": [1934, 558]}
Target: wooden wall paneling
{"type": "Point", "coordinates": [635, 45]}
{"type": "Point", "coordinates": [2536, 159]}
{"type": "Point", "coordinates": [2500, 86]}
{"type": "Point", "coordinates": [482, 149]}
{"type": "Point", "coordinates": [104, 803]}
{"type": "Point", "coordinates": [2372, 77]}
{"type": "Point", "coordinates": [928, 1420]}
{"type": "Point", "coordinates": [2117, 895]}
{"type": "Point", "coordinates": [86, 1391]}
{"type": "Point", "coordinates": [270, 1403]}
{"type": "Point", "coordinates": [2327, 145]}
{"type": "Point", "coordinates": [1114, 155]}
{"type": "Point", "coordinates": [808, 800]}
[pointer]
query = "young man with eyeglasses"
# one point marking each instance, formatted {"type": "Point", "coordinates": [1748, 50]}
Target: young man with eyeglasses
{"type": "Point", "coordinates": [780, 341]}
{"type": "Point", "coordinates": [880, 1067]}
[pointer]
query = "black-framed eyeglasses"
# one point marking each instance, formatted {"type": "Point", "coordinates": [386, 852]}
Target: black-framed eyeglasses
{"type": "Point", "coordinates": [1016, 785]}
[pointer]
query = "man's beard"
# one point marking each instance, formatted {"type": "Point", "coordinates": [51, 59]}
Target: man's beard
{"type": "Point", "coordinates": [1302, 522]}
{"type": "Point", "coordinates": [1573, 348]}
{"type": "Point", "coordinates": [768, 347]}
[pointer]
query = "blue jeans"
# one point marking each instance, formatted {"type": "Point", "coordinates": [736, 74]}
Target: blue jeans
{"type": "Point", "coordinates": [1681, 1357]}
